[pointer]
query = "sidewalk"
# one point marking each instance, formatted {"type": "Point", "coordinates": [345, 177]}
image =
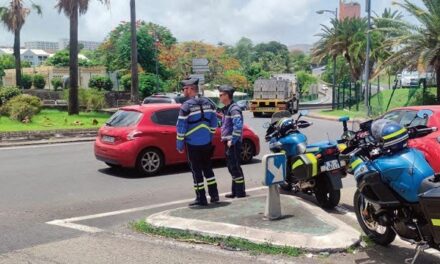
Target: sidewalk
{"type": "Point", "coordinates": [302, 225]}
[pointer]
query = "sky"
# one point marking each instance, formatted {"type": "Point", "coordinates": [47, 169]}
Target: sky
{"type": "Point", "coordinates": [212, 21]}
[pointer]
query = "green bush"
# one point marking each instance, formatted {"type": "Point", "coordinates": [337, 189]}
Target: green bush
{"type": "Point", "coordinates": [101, 83]}
{"type": "Point", "coordinates": [57, 83]}
{"type": "Point", "coordinates": [6, 93]}
{"type": "Point", "coordinates": [126, 82]}
{"type": "Point", "coordinates": [424, 98]}
{"type": "Point", "coordinates": [39, 81]}
{"type": "Point", "coordinates": [148, 84]}
{"type": "Point", "coordinates": [91, 99]}
{"type": "Point", "coordinates": [22, 106]}
{"type": "Point", "coordinates": [26, 81]}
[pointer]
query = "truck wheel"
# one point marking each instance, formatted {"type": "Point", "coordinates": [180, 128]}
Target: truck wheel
{"type": "Point", "coordinates": [257, 114]}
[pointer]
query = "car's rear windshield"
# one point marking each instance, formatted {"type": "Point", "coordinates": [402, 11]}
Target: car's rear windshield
{"type": "Point", "coordinates": [123, 118]}
{"type": "Point", "coordinates": [157, 100]}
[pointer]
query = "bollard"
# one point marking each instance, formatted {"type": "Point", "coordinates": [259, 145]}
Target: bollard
{"type": "Point", "coordinates": [275, 173]}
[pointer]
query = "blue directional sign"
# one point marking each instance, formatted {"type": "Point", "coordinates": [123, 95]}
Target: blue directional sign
{"type": "Point", "coordinates": [274, 168]}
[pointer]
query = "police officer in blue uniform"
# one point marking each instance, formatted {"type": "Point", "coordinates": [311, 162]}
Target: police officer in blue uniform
{"type": "Point", "coordinates": [232, 135]}
{"type": "Point", "coordinates": [196, 127]}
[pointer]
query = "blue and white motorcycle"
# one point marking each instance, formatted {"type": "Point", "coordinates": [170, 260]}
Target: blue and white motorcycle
{"type": "Point", "coordinates": [397, 190]}
{"type": "Point", "coordinates": [312, 169]}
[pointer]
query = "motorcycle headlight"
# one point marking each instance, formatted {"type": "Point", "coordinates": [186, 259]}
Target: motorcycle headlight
{"type": "Point", "coordinates": [275, 146]}
{"type": "Point", "coordinates": [301, 148]}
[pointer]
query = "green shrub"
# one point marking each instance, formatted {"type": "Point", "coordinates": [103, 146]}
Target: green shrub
{"type": "Point", "coordinates": [89, 98]}
{"type": "Point", "coordinates": [6, 93]}
{"type": "Point", "coordinates": [126, 82]}
{"type": "Point", "coordinates": [26, 81]}
{"type": "Point", "coordinates": [424, 98]}
{"type": "Point", "coordinates": [22, 106]}
{"type": "Point", "coordinates": [101, 83]}
{"type": "Point", "coordinates": [57, 83]}
{"type": "Point", "coordinates": [148, 84]}
{"type": "Point", "coordinates": [39, 81]}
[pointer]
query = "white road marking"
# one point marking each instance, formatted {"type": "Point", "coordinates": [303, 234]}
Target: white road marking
{"type": "Point", "coordinates": [45, 145]}
{"type": "Point", "coordinates": [68, 222]}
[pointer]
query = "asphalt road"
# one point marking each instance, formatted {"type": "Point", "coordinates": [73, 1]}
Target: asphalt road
{"type": "Point", "coordinates": [43, 183]}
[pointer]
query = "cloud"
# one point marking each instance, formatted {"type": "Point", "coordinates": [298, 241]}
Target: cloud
{"type": "Point", "coordinates": [287, 21]}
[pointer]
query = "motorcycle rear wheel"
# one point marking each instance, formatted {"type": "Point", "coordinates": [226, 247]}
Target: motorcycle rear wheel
{"type": "Point", "coordinates": [327, 197]}
{"type": "Point", "coordinates": [381, 235]}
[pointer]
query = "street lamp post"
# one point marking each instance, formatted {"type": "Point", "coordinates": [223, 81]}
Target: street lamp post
{"type": "Point", "coordinates": [334, 57]}
{"type": "Point", "coordinates": [367, 61]}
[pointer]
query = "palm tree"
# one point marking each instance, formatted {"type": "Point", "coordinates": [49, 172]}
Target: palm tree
{"type": "Point", "coordinates": [346, 38]}
{"type": "Point", "coordinates": [72, 9]}
{"type": "Point", "coordinates": [418, 45]}
{"type": "Point", "coordinates": [13, 17]}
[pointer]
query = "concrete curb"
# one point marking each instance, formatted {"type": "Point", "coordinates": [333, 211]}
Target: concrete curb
{"type": "Point", "coordinates": [333, 118]}
{"type": "Point", "coordinates": [45, 142]}
{"type": "Point", "coordinates": [25, 138]}
{"type": "Point", "coordinates": [342, 238]}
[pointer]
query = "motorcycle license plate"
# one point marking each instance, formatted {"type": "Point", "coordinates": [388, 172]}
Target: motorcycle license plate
{"type": "Point", "coordinates": [332, 165]}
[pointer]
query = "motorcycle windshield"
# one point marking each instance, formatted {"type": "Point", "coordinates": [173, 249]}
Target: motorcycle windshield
{"type": "Point", "coordinates": [279, 115]}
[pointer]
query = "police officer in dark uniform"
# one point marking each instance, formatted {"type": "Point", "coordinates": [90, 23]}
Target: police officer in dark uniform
{"type": "Point", "coordinates": [232, 135]}
{"type": "Point", "coordinates": [196, 127]}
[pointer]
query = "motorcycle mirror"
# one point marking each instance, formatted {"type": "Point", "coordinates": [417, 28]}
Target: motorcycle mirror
{"type": "Point", "coordinates": [424, 113]}
{"type": "Point", "coordinates": [344, 119]}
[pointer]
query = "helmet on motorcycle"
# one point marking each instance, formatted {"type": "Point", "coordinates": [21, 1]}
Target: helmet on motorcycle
{"type": "Point", "coordinates": [286, 126]}
{"type": "Point", "coordinates": [391, 134]}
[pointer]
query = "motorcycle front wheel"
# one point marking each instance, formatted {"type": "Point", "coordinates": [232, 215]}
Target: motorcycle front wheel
{"type": "Point", "coordinates": [326, 196]}
{"type": "Point", "coordinates": [382, 235]}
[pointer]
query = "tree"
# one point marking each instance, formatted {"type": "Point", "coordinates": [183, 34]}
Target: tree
{"type": "Point", "coordinates": [299, 61]}
{"type": "Point", "coordinates": [274, 56]}
{"type": "Point", "coordinates": [13, 17]}
{"type": "Point", "coordinates": [418, 45]}
{"type": "Point", "coordinates": [62, 59]}
{"type": "Point", "coordinates": [73, 8]}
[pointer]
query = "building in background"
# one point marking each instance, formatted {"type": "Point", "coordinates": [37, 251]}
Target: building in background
{"type": "Point", "coordinates": [349, 9]}
{"type": "Point", "coordinates": [87, 45]}
{"type": "Point", "coordinates": [50, 47]}
{"type": "Point", "coordinates": [35, 57]}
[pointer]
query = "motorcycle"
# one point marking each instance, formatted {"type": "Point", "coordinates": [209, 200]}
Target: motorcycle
{"type": "Point", "coordinates": [398, 192]}
{"type": "Point", "coordinates": [313, 169]}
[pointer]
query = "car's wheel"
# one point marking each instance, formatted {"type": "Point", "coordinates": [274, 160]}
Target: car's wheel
{"type": "Point", "coordinates": [382, 235]}
{"type": "Point", "coordinates": [150, 161]}
{"type": "Point", "coordinates": [247, 151]}
{"type": "Point", "coordinates": [113, 166]}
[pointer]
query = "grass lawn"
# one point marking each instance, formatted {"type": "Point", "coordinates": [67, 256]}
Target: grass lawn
{"type": "Point", "coordinates": [379, 102]}
{"type": "Point", "coordinates": [55, 119]}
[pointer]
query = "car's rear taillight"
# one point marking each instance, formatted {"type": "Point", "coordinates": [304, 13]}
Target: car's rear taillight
{"type": "Point", "coordinates": [134, 134]}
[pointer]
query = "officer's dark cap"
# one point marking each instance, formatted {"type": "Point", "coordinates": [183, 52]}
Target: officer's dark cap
{"type": "Point", "coordinates": [190, 81]}
{"type": "Point", "coordinates": [226, 89]}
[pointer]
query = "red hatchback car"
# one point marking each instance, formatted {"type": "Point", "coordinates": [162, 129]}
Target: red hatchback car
{"type": "Point", "coordinates": [430, 144]}
{"type": "Point", "coordinates": [144, 137]}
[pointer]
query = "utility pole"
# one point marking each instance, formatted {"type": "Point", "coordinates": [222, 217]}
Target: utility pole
{"type": "Point", "coordinates": [334, 58]}
{"type": "Point", "coordinates": [367, 61]}
{"type": "Point", "coordinates": [134, 55]}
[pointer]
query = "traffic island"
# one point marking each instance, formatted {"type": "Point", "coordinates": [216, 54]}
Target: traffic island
{"type": "Point", "coordinates": [302, 225]}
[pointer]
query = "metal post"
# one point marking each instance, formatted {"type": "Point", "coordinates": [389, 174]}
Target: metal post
{"type": "Point", "coordinates": [367, 62]}
{"type": "Point", "coordinates": [155, 55]}
{"type": "Point", "coordinates": [273, 203]}
{"type": "Point", "coordinates": [350, 96]}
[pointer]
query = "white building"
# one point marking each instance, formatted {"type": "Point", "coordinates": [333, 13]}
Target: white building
{"type": "Point", "coordinates": [88, 45]}
{"type": "Point", "coordinates": [47, 46]}
{"type": "Point", "coordinates": [34, 56]}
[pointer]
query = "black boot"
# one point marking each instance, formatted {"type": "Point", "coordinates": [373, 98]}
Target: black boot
{"type": "Point", "coordinates": [200, 198]}
{"type": "Point", "coordinates": [197, 202]}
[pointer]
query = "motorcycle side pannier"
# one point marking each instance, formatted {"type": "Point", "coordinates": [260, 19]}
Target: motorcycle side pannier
{"type": "Point", "coordinates": [430, 203]}
{"type": "Point", "coordinates": [305, 166]}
